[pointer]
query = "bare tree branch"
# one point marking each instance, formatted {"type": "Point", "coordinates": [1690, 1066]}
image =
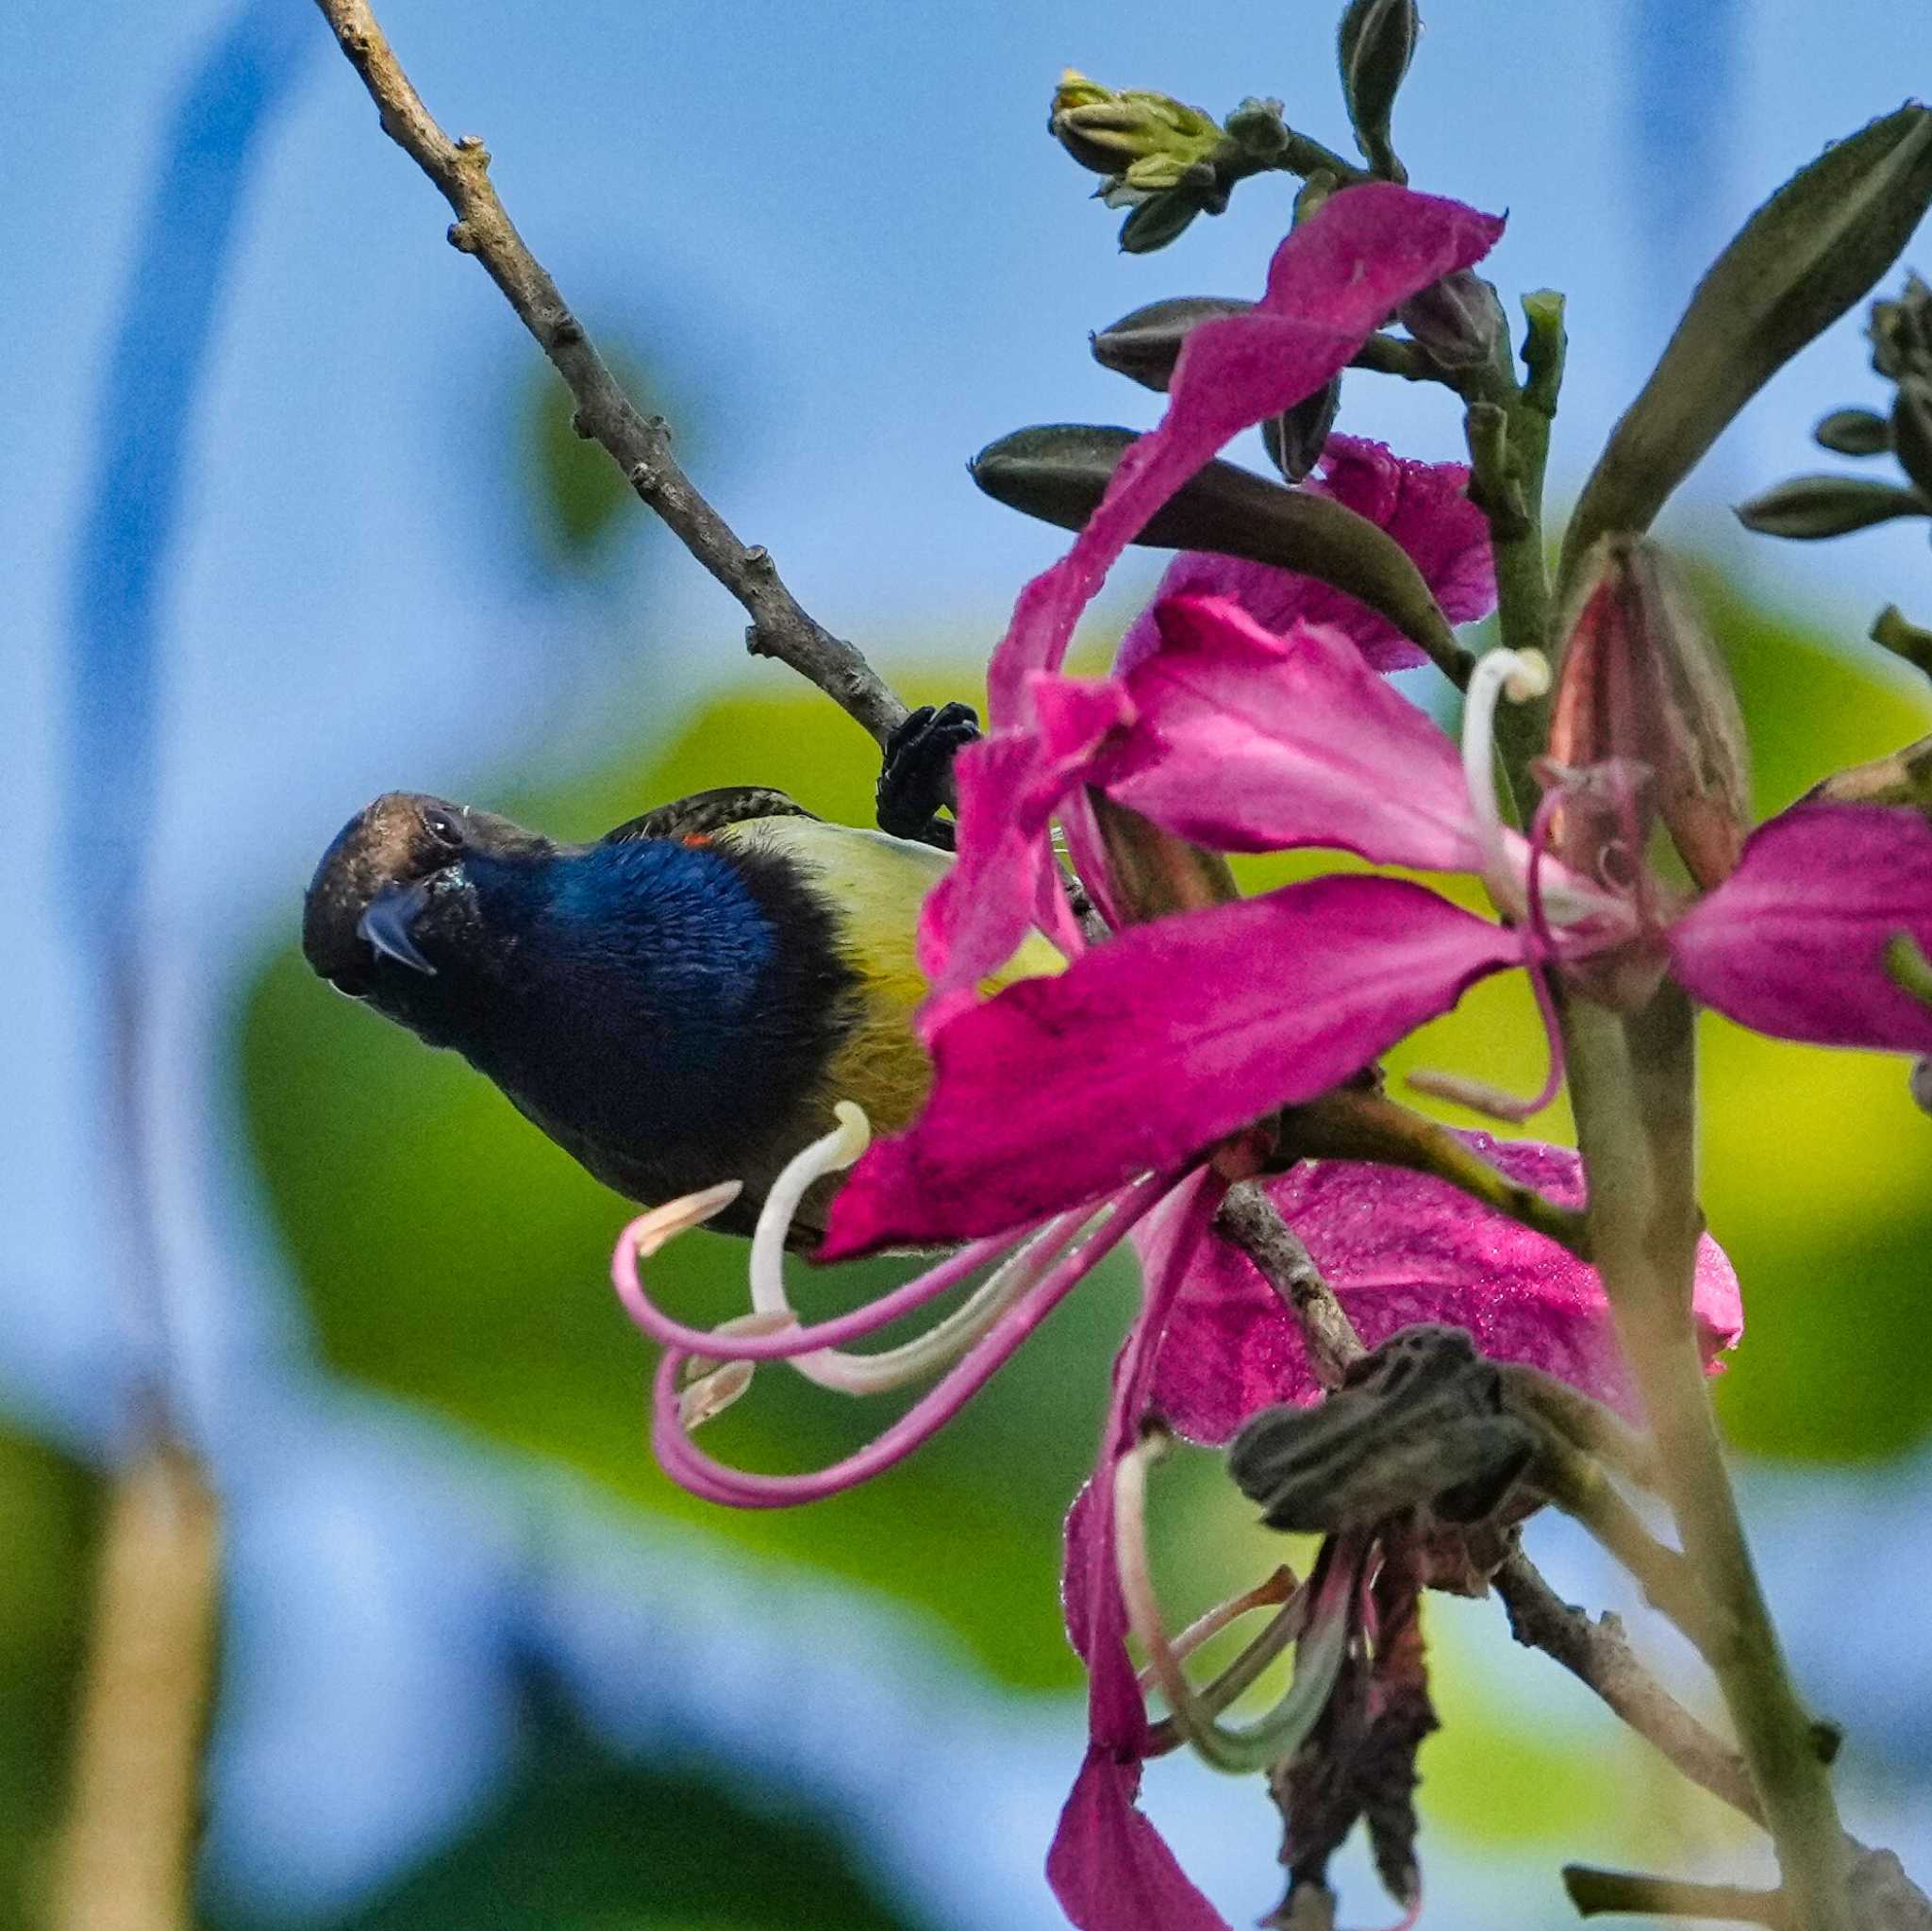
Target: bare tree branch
{"type": "Point", "coordinates": [639, 444]}
{"type": "Point", "coordinates": [1597, 1654]}
{"type": "Point", "coordinates": [1255, 1224]}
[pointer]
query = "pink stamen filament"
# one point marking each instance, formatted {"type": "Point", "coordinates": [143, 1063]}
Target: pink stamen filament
{"type": "Point", "coordinates": [714, 1481]}
{"type": "Point", "coordinates": [1478, 1095]}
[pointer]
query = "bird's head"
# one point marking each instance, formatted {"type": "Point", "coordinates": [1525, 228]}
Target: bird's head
{"type": "Point", "coordinates": [393, 903]}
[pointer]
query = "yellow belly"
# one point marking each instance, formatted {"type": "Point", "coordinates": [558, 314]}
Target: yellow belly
{"type": "Point", "coordinates": [878, 884]}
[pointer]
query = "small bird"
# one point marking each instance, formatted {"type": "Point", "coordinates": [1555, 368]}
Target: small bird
{"type": "Point", "coordinates": [677, 1004]}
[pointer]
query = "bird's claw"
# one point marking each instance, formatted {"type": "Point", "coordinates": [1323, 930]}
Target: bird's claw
{"type": "Point", "coordinates": [916, 777]}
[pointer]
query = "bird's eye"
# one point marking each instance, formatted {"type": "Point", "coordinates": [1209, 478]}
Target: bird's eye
{"type": "Point", "coordinates": [442, 828]}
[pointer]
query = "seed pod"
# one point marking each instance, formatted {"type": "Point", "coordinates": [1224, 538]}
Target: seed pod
{"type": "Point", "coordinates": [1374, 46]}
{"type": "Point", "coordinates": [1811, 251]}
{"type": "Point", "coordinates": [1144, 345]}
{"type": "Point", "coordinates": [1808, 507]}
{"type": "Point", "coordinates": [1853, 432]}
{"type": "Point", "coordinates": [1642, 684]}
{"type": "Point", "coordinates": [1059, 472]}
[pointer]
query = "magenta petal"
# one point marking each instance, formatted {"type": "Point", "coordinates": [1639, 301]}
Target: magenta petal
{"type": "Point", "coordinates": [1251, 743]}
{"type": "Point", "coordinates": [1004, 880]}
{"type": "Point", "coordinates": [1422, 505]}
{"type": "Point", "coordinates": [1399, 1247]}
{"type": "Point", "coordinates": [1109, 1868]}
{"type": "Point", "coordinates": [1792, 943]}
{"type": "Point", "coordinates": [1154, 1045]}
{"type": "Point", "coordinates": [1332, 283]}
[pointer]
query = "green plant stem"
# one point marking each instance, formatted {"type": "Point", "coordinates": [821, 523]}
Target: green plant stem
{"type": "Point", "coordinates": [1633, 1083]}
{"type": "Point", "coordinates": [1507, 426]}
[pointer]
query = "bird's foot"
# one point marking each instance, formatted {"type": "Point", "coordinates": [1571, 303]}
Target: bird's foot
{"type": "Point", "coordinates": [916, 777]}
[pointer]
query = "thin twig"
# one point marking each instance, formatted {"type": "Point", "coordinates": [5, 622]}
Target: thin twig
{"type": "Point", "coordinates": [1596, 1653]}
{"type": "Point", "coordinates": [1255, 1224]}
{"type": "Point", "coordinates": [639, 444]}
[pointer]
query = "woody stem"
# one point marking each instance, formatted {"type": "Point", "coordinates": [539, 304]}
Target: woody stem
{"type": "Point", "coordinates": [1633, 1085]}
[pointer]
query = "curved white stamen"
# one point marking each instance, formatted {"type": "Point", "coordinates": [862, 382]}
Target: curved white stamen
{"type": "Point", "coordinates": [837, 1151]}
{"type": "Point", "coordinates": [858, 1374]}
{"type": "Point", "coordinates": [1520, 675]}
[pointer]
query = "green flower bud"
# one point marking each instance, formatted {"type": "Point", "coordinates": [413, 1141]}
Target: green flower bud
{"type": "Point", "coordinates": [1144, 345]}
{"type": "Point", "coordinates": [1156, 223]}
{"type": "Point", "coordinates": [1901, 333]}
{"type": "Point", "coordinates": [1853, 432]}
{"type": "Point", "coordinates": [1642, 684]}
{"type": "Point", "coordinates": [1107, 131]}
{"type": "Point", "coordinates": [1811, 251]}
{"type": "Point", "coordinates": [1375, 45]}
{"type": "Point", "coordinates": [1808, 507]}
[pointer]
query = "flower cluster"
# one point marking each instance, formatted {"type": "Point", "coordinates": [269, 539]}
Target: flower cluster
{"type": "Point", "coordinates": [1120, 1098]}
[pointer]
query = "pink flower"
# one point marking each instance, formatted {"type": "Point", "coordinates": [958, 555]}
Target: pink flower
{"type": "Point", "coordinates": [1332, 283]}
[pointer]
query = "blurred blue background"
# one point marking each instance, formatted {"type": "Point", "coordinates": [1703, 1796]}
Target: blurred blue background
{"type": "Point", "coordinates": [293, 515]}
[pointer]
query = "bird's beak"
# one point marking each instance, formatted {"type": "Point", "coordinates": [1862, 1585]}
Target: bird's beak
{"type": "Point", "coordinates": [386, 921]}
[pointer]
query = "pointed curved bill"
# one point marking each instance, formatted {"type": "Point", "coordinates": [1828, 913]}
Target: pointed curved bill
{"type": "Point", "coordinates": [1333, 282]}
{"type": "Point", "coordinates": [1397, 1248]}
{"type": "Point", "coordinates": [1792, 943]}
{"type": "Point", "coordinates": [1153, 1046]}
{"type": "Point", "coordinates": [386, 922]}
{"type": "Point", "coordinates": [1247, 742]}
{"type": "Point", "coordinates": [1422, 505]}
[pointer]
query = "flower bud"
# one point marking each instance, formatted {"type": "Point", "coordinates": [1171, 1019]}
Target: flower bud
{"type": "Point", "coordinates": [1901, 333]}
{"type": "Point", "coordinates": [1156, 223]}
{"type": "Point", "coordinates": [1641, 683]}
{"type": "Point", "coordinates": [1811, 251]}
{"type": "Point", "coordinates": [1375, 45]}
{"type": "Point", "coordinates": [1107, 131]}
{"type": "Point", "coordinates": [1853, 432]}
{"type": "Point", "coordinates": [1296, 437]}
{"type": "Point", "coordinates": [1144, 345]}
{"type": "Point", "coordinates": [1460, 320]}
{"type": "Point", "coordinates": [1059, 471]}
{"type": "Point", "coordinates": [1808, 507]}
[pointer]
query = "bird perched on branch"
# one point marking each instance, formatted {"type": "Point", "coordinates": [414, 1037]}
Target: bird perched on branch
{"type": "Point", "coordinates": [681, 1002]}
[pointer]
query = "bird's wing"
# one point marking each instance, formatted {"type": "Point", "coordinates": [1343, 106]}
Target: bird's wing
{"type": "Point", "coordinates": [705, 812]}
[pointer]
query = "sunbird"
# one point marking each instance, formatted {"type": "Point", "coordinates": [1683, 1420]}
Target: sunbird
{"type": "Point", "coordinates": [680, 1002]}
